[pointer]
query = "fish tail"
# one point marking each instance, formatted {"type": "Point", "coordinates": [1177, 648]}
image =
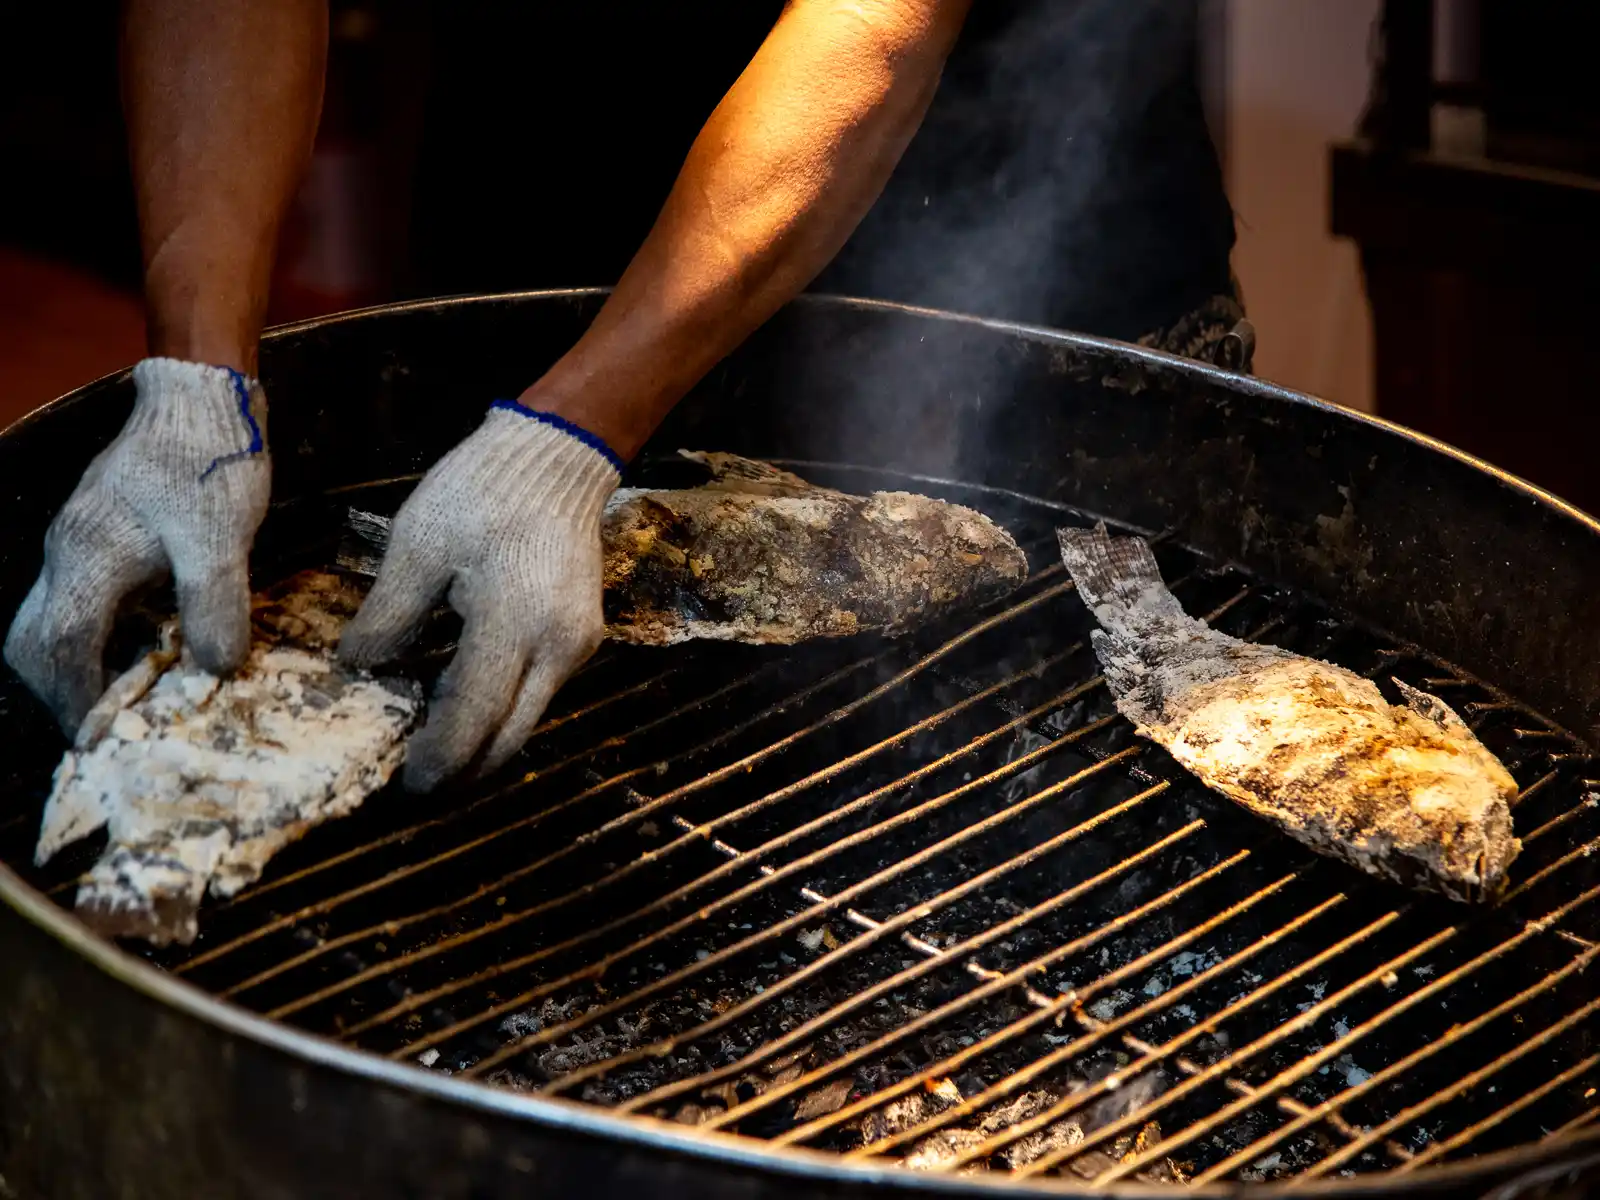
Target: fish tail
{"type": "Point", "coordinates": [1119, 581]}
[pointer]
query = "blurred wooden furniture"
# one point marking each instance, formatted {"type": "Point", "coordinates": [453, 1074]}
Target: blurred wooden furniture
{"type": "Point", "coordinates": [1482, 261]}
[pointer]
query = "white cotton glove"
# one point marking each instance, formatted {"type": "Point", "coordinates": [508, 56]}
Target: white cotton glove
{"type": "Point", "coordinates": [183, 487]}
{"type": "Point", "coordinates": [508, 525]}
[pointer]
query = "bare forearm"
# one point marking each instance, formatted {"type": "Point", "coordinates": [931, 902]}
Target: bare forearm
{"type": "Point", "coordinates": [777, 180]}
{"type": "Point", "coordinates": [222, 100]}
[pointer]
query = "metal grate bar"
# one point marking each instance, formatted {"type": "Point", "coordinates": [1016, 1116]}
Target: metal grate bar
{"type": "Point", "coordinates": [650, 859]}
{"type": "Point", "coordinates": [1333, 1049]}
{"type": "Point", "coordinates": [1005, 1087]}
{"type": "Point", "coordinates": [577, 714]}
{"type": "Point", "coordinates": [1051, 1009]}
{"type": "Point", "coordinates": [1534, 788]}
{"type": "Point", "coordinates": [838, 901]}
{"type": "Point", "coordinates": [1555, 822]}
{"type": "Point", "coordinates": [325, 906]}
{"type": "Point", "coordinates": [1472, 1079]}
{"type": "Point", "coordinates": [934, 958]}
{"type": "Point", "coordinates": [757, 886]}
{"type": "Point", "coordinates": [1582, 1121]}
{"type": "Point", "coordinates": [952, 953]}
{"type": "Point", "coordinates": [954, 1062]}
{"type": "Point", "coordinates": [1584, 850]}
{"type": "Point", "coordinates": [1239, 1087]}
{"type": "Point", "coordinates": [718, 905]}
{"type": "Point", "coordinates": [955, 1007]}
{"type": "Point", "coordinates": [695, 833]}
{"type": "Point", "coordinates": [1450, 1145]}
{"type": "Point", "coordinates": [1218, 1070]}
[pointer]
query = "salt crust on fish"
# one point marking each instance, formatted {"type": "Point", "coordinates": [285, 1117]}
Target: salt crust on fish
{"type": "Point", "coordinates": [1406, 792]}
{"type": "Point", "coordinates": [199, 781]}
{"type": "Point", "coordinates": [760, 555]}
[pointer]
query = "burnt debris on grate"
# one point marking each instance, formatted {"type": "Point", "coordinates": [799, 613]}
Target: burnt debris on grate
{"type": "Point", "coordinates": [931, 901]}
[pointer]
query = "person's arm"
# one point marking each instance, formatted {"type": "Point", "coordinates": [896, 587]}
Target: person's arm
{"type": "Point", "coordinates": [777, 180]}
{"type": "Point", "coordinates": [222, 99]}
{"type": "Point", "coordinates": [507, 525]}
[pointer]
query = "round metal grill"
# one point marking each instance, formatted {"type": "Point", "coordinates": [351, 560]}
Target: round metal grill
{"type": "Point", "coordinates": [932, 899]}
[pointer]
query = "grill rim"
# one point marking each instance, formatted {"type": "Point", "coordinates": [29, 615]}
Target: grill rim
{"type": "Point", "coordinates": [1244, 384]}
{"type": "Point", "coordinates": [1556, 1155]}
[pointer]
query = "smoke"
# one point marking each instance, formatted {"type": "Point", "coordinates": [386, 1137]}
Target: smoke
{"type": "Point", "coordinates": [1063, 176]}
{"type": "Point", "coordinates": [1064, 147]}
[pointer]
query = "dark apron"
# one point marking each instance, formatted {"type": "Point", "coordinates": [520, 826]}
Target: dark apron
{"type": "Point", "coordinates": [1064, 175]}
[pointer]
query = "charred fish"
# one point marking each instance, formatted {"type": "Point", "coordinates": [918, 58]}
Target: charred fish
{"type": "Point", "coordinates": [199, 781]}
{"type": "Point", "coordinates": [760, 555]}
{"type": "Point", "coordinates": [1406, 792]}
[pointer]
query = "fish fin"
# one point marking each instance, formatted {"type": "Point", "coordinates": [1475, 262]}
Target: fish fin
{"type": "Point", "coordinates": [67, 819]}
{"type": "Point", "coordinates": [1134, 686]}
{"type": "Point", "coordinates": [1434, 709]}
{"type": "Point", "coordinates": [366, 537]}
{"type": "Point", "coordinates": [731, 473]}
{"type": "Point", "coordinates": [1120, 581]}
{"type": "Point", "coordinates": [1119, 659]}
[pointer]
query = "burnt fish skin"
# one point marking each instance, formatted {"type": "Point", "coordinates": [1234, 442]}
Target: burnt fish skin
{"type": "Point", "coordinates": [759, 555]}
{"type": "Point", "coordinates": [1405, 792]}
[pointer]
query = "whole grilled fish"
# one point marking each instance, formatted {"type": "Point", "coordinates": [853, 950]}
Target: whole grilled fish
{"type": "Point", "coordinates": [199, 781]}
{"type": "Point", "coordinates": [1407, 792]}
{"type": "Point", "coordinates": [760, 555]}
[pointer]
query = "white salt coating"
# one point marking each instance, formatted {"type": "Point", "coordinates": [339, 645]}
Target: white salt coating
{"type": "Point", "coordinates": [1407, 792]}
{"type": "Point", "coordinates": [199, 781]}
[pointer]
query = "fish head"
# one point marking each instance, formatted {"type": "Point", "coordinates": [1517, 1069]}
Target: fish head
{"type": "Point", "coordinates": [1456, 836]}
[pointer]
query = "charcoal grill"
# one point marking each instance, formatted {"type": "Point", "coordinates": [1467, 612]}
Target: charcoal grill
{"type": "Point", "coordinates": [826, 920]}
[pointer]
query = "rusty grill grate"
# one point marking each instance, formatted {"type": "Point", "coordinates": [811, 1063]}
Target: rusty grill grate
{"type": "Point", "coordinates": [931, 899]}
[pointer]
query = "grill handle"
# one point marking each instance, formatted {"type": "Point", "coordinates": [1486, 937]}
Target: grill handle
{"type": "Point", "coordinates": [1236, 350]}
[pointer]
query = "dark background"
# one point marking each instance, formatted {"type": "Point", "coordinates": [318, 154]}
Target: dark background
{"type": "Point", "coordinates": [1065, 174]}
{"type": "Point", "coordinates": [1481, 265]}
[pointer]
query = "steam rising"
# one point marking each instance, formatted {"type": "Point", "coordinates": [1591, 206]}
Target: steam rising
{"type": "Point", "coordinates": [1063, 163]}
{"type": "Point", "coordinates": [1064, 176]}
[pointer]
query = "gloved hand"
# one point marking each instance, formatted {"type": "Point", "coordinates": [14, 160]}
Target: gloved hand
{"type": "Point", "coordinates": [183, 487]}
{"type": "Point", "coordinates": [508, 523]}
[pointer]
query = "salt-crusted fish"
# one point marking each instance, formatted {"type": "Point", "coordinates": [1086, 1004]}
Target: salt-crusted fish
{"type": "Point", "coordinates": [199, 781]}
{"type": "Point", "coordinates": [760, 555]}
{"type": "Point", "coordinates": [1406, 792]}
